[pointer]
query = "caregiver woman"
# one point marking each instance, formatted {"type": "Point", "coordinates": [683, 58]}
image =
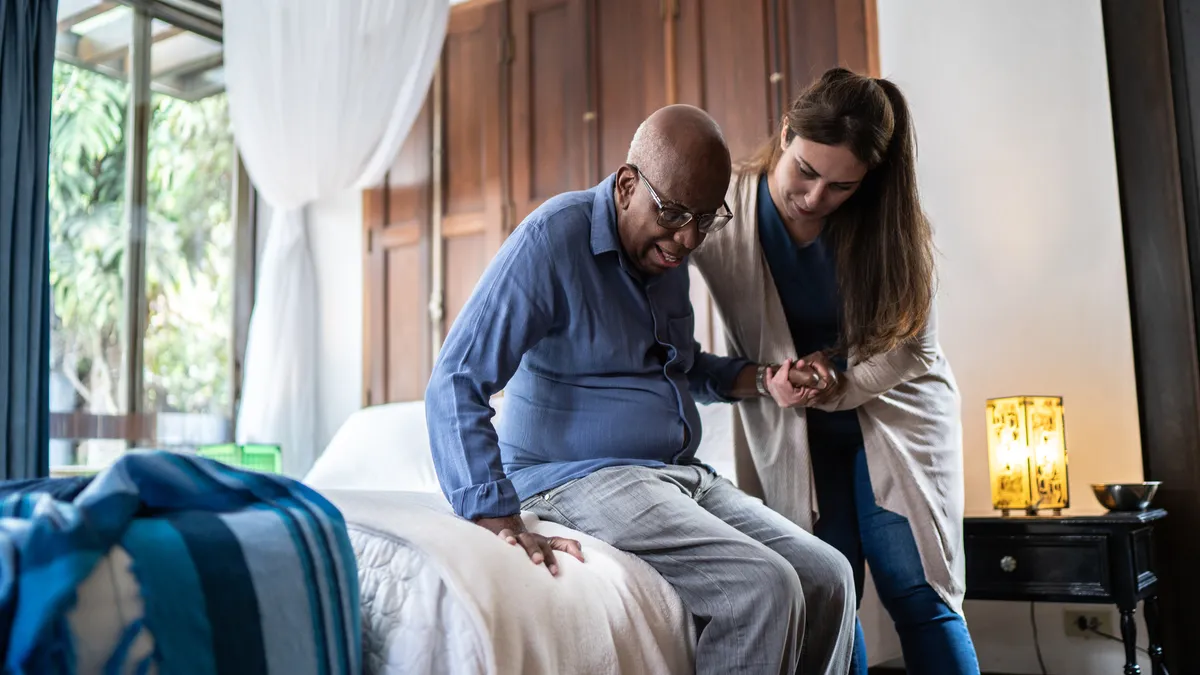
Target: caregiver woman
{"type": "Point", "coordinates": [830, 255]}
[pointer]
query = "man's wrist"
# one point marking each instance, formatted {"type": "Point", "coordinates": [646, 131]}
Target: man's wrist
{"type": "Point", "coordinates": [760, 380]}
{"type": "Point", "coordinates": [497, 525]}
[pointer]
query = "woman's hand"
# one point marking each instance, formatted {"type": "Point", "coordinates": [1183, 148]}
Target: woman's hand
{"type": "Point", "coordinates": [817, 379]}
{"type": "Point", "coordinates": [781, 384]}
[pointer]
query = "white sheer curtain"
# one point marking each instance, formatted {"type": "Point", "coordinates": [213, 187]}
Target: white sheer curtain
{"type": "Point", "coordinates": [321, 95]}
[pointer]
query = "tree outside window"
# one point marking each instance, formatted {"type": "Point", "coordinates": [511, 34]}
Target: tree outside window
{"type": "Point", "coordinates": [181, 392]}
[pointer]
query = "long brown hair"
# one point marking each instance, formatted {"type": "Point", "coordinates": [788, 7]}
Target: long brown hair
{"type": "Point", "coordinates": [882, 240]}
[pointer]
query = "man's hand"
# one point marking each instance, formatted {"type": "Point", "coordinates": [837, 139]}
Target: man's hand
{"type": "Point", "coordinates": [540, 549]}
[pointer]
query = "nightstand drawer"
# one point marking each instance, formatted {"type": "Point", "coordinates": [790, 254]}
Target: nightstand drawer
{"type": "Point", "coordinates": [1035, 566]}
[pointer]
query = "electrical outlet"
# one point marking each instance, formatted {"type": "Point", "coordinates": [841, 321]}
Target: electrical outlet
{"type": "Point", "coordinates": [1077, 622]}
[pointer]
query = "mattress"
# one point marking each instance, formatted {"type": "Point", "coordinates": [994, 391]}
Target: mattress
{"type": "Point", "coordinates": [412, 622]}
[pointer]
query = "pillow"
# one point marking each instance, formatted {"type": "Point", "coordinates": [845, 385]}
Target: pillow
{"type": "Point", "coordinates": [386, 447]}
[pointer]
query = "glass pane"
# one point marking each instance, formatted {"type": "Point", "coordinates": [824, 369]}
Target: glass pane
{"type": "Point", "coordinates": [88, 227]}
{"type": "Point", "coordinates": [189, 256]}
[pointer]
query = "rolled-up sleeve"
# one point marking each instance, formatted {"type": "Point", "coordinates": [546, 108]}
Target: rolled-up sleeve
{"type": "Point", "coordinates": [511, 309]}
{"type": "Point", "coordinates": [712, 377]}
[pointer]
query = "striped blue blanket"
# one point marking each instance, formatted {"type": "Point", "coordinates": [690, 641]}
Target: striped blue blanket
{"type": "Point", "coordinates": [239, 572]}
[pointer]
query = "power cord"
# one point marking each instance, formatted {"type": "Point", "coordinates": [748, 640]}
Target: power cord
{"type": "Point", "coordinates": [1093, 627]}
{"type": "Point", "coordinates": [1037, 643]}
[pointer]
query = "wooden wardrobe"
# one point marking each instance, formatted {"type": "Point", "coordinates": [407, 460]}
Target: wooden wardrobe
{"type": "Point", "coordinates": [537, 97]}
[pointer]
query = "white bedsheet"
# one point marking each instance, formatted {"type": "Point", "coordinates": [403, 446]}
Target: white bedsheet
{"type": "Point", "coordinates": [442, 595]}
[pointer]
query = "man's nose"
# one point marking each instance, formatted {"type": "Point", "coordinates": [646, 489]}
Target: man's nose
{"type": "Point", "coordinates": [689, 236]}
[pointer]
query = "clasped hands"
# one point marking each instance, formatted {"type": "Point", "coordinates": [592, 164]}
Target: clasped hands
{"type": "Point", "coordinates": [804, 382]}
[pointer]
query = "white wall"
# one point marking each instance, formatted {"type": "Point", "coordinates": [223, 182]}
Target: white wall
{"type": "Point", "coordinates": [1018, 173]}
{"type": "Point", "coordinates": [335, 239]}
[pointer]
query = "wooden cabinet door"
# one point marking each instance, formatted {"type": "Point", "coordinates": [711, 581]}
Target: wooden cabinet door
{"type": "Point", "coordinates": [724, 67]}
{"type": "Point", "coordinates": [550, 140]}
{"type": "Point", "coordinates": [628, 75]}
{"type": "Point", "coordinates": [821, 34]}
{"type": "Point", "coordinates": [396, 326]}
{"type": "Point", "coordinates": [472, 220]}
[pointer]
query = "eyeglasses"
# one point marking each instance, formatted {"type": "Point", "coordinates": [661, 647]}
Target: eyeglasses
{"type": "Point", "coordinates": [675, 218]}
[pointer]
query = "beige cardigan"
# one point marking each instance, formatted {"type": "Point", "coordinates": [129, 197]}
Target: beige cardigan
{"type": "Point", "coordinates": [907, 401]}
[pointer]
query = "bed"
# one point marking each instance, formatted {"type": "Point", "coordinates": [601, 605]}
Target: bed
{"type": "Point", "coordinates": [441, 595]}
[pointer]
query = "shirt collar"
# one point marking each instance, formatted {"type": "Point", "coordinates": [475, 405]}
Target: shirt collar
{"type": "Point", "coordinates": [604, 218]}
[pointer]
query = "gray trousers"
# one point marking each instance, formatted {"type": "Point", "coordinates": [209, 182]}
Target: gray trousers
{"type": "Point", "coordinates": [767, 596]}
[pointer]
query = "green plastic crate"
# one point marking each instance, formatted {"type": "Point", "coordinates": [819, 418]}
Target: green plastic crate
{"type": "Point", "coordinates": [253, 456]}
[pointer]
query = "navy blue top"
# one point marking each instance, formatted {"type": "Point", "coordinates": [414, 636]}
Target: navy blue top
{"type": "Point", "coordinates": [806, 278]}
{"type": "Point", "coordinates": [599, 368]}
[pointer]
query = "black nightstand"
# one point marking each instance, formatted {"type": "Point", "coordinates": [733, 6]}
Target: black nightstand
{"type": "Point", "coordinates": [1103, 559]}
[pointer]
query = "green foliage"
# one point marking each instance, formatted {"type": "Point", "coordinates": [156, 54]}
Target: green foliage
{"type": "Point", "coordinates": [189, 245]}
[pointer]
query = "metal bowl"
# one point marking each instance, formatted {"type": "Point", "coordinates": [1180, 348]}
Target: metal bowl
{"type": "Point", "coordinates": [1125, 496]}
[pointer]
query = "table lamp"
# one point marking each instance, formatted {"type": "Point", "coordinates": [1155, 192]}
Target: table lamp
{"type": "Point", "coordinates": [1027, 454]}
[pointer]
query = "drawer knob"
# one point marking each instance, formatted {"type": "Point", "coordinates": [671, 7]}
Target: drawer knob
{"type": "Point", "coordinates": [1008, 563]}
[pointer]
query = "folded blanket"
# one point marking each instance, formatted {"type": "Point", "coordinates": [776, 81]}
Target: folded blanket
{"type": "Point", "coordinates": [612, 614]}
{"type": "Point", "coordinates": [240, 572]}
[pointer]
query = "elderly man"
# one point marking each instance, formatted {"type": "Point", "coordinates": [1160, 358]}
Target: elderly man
{"type": "Point", "coordinates": [584, 319]}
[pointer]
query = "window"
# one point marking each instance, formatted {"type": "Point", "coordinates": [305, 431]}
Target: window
{"type": "Point", "coordinates": [143, 233]}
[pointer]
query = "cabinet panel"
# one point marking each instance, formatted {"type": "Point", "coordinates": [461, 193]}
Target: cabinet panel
{"type": "Point", "coordinates": [472, 219]}
{"type": "Point", "coordinates": [408, 354]}
{"type": "Point", "coordinates": [471, 66]}
{"type": "Point", "coordinates": [466, 258]}
{"type": "Point", "coordinates": [810, 44]}
{"type": "Point", "coordinates": [396, 329]}
{"type": "Point", "coordinates": [549, 100]}
{"type": "Point", "coordinates": [629, 78]}
{"type": "Point", "coordinates": [822, 34]}
{"type": "Point", "coordinates": [724, 68]}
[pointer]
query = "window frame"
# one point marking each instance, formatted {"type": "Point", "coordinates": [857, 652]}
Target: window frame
{"type": "Point", "coordinates": [136, 425]}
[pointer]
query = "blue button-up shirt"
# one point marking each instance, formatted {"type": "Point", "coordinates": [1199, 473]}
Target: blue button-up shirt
{"type": "Point", "coordinates": [599, 367]}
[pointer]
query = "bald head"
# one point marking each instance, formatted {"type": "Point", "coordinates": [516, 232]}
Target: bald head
{"type": "Point", "coordinates": [681, 145]}
{"type": "Point", "coordinates": [684, 168]}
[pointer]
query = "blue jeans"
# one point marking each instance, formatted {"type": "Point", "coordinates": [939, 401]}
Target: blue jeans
{"type": "Point", "coordinates": [933, 637]}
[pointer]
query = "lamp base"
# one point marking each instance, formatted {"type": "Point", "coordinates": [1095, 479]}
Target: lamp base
{"type": "Point", "coordinates": [1030, 511]}
{"type": "Point", "coordinates": [1033, 511]}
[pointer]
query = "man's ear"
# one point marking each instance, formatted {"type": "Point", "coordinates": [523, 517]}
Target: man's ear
{"type": "Point", "coordinates": [625, 184]}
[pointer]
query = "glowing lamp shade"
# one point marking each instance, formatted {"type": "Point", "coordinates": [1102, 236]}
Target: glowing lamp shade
{"type": "Point", "coordinates": [1027, 453]}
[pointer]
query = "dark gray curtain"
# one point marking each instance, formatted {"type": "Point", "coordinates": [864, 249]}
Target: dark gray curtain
{"type": "Point", "coordinates": [27, 29]}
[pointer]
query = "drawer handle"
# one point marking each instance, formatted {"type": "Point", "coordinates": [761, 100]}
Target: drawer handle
{"type": "Point", "coordinates": [1008, 563]}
